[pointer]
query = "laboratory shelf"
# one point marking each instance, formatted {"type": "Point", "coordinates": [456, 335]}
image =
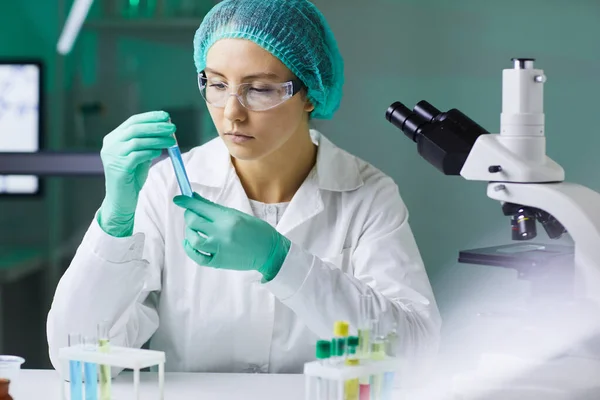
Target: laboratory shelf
{"type": "Point", "coordinates": [144, 24]}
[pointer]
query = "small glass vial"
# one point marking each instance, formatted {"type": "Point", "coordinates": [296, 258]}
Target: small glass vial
{"type": "Point", "coordinates": [4, 389]}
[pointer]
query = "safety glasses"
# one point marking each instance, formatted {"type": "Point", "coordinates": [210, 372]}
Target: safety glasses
{"type": "Point", "coordinates": [255, 96]}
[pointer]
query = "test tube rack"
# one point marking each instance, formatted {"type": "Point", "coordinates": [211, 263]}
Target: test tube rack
{"type": "Point", "coordinates": [122, 357]}
{"type": "Point", "coordinates": [340, 373]}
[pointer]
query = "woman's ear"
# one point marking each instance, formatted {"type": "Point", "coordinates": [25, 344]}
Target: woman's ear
{"type": "Point", "coordinates": [308, 106]}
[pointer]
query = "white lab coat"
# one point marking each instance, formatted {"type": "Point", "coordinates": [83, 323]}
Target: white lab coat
{"type": "Point", "coordinates": [349, 232]}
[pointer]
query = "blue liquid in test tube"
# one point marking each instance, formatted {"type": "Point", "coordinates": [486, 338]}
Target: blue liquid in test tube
{"type": "Point", "coordinates": [91, 381]}
{"type": "Point", "coordinates": [76, 380]}
{"type": "Point", "coordinates": [182, 178]}
{"type": "Point", "coordinates": [90, 370]}
{"type": "Point", "coordinates": [75, 370]}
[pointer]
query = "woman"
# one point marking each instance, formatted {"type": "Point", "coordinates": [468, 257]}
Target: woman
{"type": "Point", "coordinates": [285, 230]}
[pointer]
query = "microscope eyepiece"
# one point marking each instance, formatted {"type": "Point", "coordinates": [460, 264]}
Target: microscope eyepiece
{"type": "Point", "coordinates": [443, 138]}
{"type": "Point", "coordinates": [426, 110]}
{"type": "Point", "coordinates": [404, 119]}
{"type": "Point", "coordinates": [523, 63]}
{"type": "Point", "coordinates": [400, 108]}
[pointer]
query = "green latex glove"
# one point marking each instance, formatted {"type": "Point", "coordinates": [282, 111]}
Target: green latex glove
{"type": "Point", "coordinates": [232, 239]}
{"type": "Point", "coordinates": [127, 154]}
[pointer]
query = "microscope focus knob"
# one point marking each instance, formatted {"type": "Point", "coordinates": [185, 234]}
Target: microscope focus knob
{"type": "Point", "coordinates": [494, 169]}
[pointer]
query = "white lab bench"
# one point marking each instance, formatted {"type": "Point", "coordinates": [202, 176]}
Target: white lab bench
{"type": "Point", "coordinates": [45, 384]}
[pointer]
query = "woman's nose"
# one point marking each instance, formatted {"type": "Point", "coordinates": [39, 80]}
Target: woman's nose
{"type": "Point", "coordinates": [234, 110]}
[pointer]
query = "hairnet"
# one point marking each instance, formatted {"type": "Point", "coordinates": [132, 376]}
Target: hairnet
{"type": "Point", "coordinates": [294, 31]}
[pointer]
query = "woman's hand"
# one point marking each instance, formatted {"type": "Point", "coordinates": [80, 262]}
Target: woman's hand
{"type": "Point", "coordinates": [127, 153]}
{"type": "Point", "coordinates": [225, 238]}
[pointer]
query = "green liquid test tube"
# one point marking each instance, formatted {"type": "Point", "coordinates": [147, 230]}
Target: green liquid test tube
{"type": "Point", "coordinates": [104, 347]}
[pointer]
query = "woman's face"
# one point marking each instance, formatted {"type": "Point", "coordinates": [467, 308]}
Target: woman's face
{"type": "Point", "coordinates": [252, 135]}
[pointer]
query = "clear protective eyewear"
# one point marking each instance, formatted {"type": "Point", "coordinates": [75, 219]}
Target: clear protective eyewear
{"type": "Point", "coordinates": [256, 96]}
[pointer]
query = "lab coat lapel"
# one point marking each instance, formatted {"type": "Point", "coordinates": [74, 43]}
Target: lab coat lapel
{"type": "Point", "coordinates": [212, 167]}
{"type": "Point", "coordinates": [233, 194]}
{"type": "Point", "coordinates": [335, 170]}
{"type": "Point", "coordinates": [305, 204]}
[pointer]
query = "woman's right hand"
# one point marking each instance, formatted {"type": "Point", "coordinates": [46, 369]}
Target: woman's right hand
{"type": "Point", "coordinates": [127, 154]}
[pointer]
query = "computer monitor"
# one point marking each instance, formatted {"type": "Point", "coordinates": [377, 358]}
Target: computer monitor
{"type": "Point", "coordinates": [20, 120]}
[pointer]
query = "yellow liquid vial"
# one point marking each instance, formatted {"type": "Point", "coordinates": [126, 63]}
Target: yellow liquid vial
{"type": "Point", "coordinates": [363, 342]}
{"type": "Point", "coordinates": [351, 389]}
{"type": "Point", "coordinates": [364, 348]}
{"type": "Point", "coordinates": [105, 392]}
{"type": "Point", "coordinates": [352, 386]}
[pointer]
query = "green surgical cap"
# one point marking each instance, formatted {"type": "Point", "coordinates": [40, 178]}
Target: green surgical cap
{"type": "Point", "coordinates": [294, 31]}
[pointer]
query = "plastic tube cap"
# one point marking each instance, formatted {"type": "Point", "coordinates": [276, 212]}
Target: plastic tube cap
{"type": "Point", "coordinates": [341, 328]}
{"type": "Point", "coordinates": [323, 349]}
{"type": "Point", "coordinates": [353, 341]}
{"type": "Point", "coordinates": [340, 347]}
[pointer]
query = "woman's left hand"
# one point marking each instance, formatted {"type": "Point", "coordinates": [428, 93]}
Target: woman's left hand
{"type": "Point", "coordinates": [225, 238]}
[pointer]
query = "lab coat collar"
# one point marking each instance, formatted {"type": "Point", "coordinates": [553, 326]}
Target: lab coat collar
{"type": "Point", "coordinates": [336, 170]}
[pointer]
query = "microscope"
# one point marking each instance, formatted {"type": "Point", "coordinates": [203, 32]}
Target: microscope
{"type": "Point", "coordinates": [531, 189]}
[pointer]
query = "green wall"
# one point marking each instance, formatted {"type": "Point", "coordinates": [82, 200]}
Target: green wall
{"type": "Point", "coordinates": [449, 52]}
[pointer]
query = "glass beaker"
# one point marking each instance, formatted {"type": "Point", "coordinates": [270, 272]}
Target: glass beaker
{"type": "Point", "coordinates": [10, 366]}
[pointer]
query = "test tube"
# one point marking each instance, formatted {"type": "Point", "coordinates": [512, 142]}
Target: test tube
{"type": "Point", "coordinates": [364, 329]}
{"type": "Point", "coordinates": [90, 370]}
{"type": "Point", "coordinates": [364, 334]}
{"type": "Point", "coordinates": [323, 355]}
{"type": "Point", "coordinates": [393, 342]}
{"type": "Point", "coordinates": [333, 362]}
{"type": "Point", "coordinates": [352, 386]}
{"type": "Point", "coordinates": [75, 371]}
{"type": "Point", "coordinates": [180, 173]}
{"type": "Point", "coordinates": [378, 346]}
{"type": "Point", "coordinates": [392, 350]}
{"type": "Point", "coordinates": [340, 344]}
{"type": "Point", "coordinates": [104, 346]}
{"type": "Point", "coordinates": [340, 333]}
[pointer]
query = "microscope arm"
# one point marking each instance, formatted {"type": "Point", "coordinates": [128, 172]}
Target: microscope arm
{"type": "Point", "coordinates": [578, 209]}
{"type": "Point", "coordinates": [495, 157]}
